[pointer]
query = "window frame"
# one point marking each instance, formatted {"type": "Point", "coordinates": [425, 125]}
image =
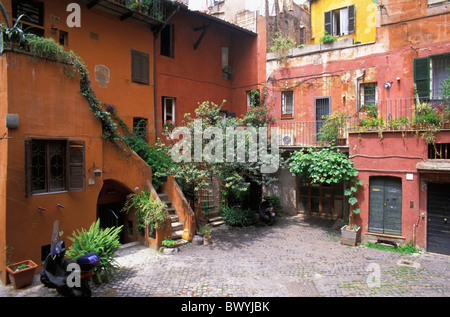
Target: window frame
{"type": "Point", "coordinates": [167, 43]}
{"type": "Point", "coordinates": [329, 20]}
{"type": "Point", "coordinates": [164, 109]}
{"type": "Point", "coordinates": [362, 94]}
{"type": "Point", "coordinates": [423, 76]}
{"type": "Point", "coordinates": [140, 67]}
{"type": "Point", "coordinates": [74, 165]}
{"type": "Point", "coordinates": [284, 113]}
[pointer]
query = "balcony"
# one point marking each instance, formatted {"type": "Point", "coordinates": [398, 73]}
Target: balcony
{"type": "Point", "coordinates": [386, 116]}
{"type": "Point", "coordinates": [153, 13]}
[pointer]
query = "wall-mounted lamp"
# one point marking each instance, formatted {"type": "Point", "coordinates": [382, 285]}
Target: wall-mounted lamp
{"type": "Point", "coordinates": [98, 172]}
{"type": "Point", "coordinates": [388, 85]}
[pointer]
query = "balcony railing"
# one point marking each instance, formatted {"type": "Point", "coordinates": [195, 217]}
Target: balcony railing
{"type": "Point", "coordinates": [153, 8]}
{"type": "Point", "coordinates": [387, 115]}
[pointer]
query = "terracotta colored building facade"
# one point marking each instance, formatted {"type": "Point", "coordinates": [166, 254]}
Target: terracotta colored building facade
{"type": "Point", "coordinates": [409, 47]}
{"type": "Point", "coordinates": [55, 163]}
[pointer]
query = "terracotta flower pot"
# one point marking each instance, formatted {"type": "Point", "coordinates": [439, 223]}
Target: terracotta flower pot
{"type": "Point", "coordinates": [21, 277]}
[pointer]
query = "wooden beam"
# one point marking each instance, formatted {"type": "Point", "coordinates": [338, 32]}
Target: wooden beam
{"type": "Point", "coordinates": [126, 16]}
{"type": "Point", "coordinates": [204, 28]}
{"type": "Point", "coordinates": [92, 4]}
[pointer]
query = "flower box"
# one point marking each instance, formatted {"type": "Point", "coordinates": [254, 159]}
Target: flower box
{"type": "Point", "coordinates": [350, 236]}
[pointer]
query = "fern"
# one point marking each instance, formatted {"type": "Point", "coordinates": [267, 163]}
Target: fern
{"type": "Point", "coordinates": [104, 242]}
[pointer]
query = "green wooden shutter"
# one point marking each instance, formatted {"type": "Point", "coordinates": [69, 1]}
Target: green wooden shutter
{"type": "Point", "coordinates": [422, 76]}
{"type": "Point", "coordinates": [329, 22]}
{"type": "Point", "coordinates": [76, 166]}
{"type": "Point", "coordinates": [351, 19]}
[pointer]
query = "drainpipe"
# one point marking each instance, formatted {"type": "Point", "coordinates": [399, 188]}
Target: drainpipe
{"type": "Point", "coordinates": [357, 89]}
{"type": "Point", "coordinates": [154, 88]}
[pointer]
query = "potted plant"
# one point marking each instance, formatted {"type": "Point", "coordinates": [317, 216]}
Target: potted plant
{"type": "Point", "coordinates": [351, 235]}
{"type": "Point", "coordinates": [206, 232]}
{"type": "Point", "coordinates": [332, 131]}
{"type": "Point", "coordinates": [21, 274]}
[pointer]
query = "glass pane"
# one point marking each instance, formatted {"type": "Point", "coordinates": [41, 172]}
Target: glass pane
{"type": "Point", "coordinates": [56, 156]}
{"type": "Point", "coordinates": [338, 207]}
{"type": "Point", "coordinates": [315, 205]}
{"type": "Point", "coordinates": [326, 206]}
{"type": "Point", "coordinates": [315, 190]}
{"type": "Point", "coordinates": [304, 191]}
{"type": "Point", "coordinates": [304, 204]}
{"type": "Point", "coordinates": [38, 166]}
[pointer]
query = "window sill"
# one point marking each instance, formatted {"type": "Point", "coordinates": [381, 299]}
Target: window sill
{"type": "Point", "coordinates": [286, 116]}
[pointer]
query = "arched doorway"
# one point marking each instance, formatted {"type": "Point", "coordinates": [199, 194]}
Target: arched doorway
{"type": "Point", "coordinates": [111, 200]}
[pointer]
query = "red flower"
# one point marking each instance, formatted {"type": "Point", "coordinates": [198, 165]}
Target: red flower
{"type": "Point", "coordinates": [356, 115]}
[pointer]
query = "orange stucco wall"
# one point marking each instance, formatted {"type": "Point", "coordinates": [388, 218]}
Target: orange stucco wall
{"type": "Point", "coordinates": [50, 106]}
{"type": "Point", "coordinates": [193, 76]}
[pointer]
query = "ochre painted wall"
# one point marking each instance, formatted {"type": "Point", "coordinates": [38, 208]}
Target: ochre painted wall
{"type": "Point", "coordinates": [365, 14]}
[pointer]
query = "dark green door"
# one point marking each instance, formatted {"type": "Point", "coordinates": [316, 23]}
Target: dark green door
{"type": "Point", "coordinates": [438, 214]}
{"type": "Point", "coordinates": [385, 205]}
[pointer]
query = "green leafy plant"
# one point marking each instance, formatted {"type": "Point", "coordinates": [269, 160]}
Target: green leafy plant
{"type": "Point", "coordinates": [236, 217]}
{"type": "Point", "coordinates": [327, 38]}
{"type": "Point", "coordinates": [333, 128]}
{"type": "Point", "coordinates": [206, 231]}
{"type": "Point", "coordinates": [104, 242]}
{"type": "Point", "coordinates": [281, 46]}
{"type": "Point", "coordinates": [169, 242]}
{"type": "Point", "coordinates": [150, 212]}
{"type": "Point", "coordinates": [327, 166]}
{"type": "Point", "coordinates": [277, 204]}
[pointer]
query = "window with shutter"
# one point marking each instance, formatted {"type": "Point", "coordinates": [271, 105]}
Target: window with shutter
{"type": "Point", "coordinates": [351, 19]}
{"type": "Point", "coordinates": [287, 107]}
{"type": "Point", "coordinates": [422, 76]}
{"type": "Point", "coordinates": [140, 67]}
{"type": "Point", "coordinates": [76, 166]}
{"type": "Point", "coordinates": [54, 166]}
{"type": "Point", "coordinates": [329, 22]}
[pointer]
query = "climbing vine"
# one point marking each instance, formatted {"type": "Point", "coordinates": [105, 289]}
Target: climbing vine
{"type": "Point", "coordinates": [327, 166]}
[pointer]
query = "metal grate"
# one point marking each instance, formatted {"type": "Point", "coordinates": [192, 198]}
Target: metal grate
{"type": "Point", "coordinates": [439, 151]}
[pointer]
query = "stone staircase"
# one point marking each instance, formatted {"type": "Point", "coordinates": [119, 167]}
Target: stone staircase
{"type": "Point", "coordinates": [177, 226]}
{"type": "Point", "coordinates": [211, 209]}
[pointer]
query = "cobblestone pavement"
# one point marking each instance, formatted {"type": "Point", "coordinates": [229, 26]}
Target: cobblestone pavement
{"type": "Point", "coordinates": [296, 257]}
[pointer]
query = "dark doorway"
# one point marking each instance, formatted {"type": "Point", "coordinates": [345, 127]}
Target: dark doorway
{"type": "Point", "coordinates": [438, 214]}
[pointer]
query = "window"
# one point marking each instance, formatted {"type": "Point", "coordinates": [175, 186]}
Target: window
{"type": "Point", "coordinates": [168, 109]}
{"type": "Point", "coordinates": [226, 69]}
{"type": "Point", "coordinates": [167, 41]}
{"type": "Point", "coordinates": [54, 166]}
{"type": "Point", "coordinates": [368, 94]}
{"type": "Point", "coordinates": [253, 98]}
{"type": "Point", "coordinates": [323, 107]}
{"type": "Point", "coordinates": [340, 22]}
{"type": "Point", "coordinates": [439, 151]}
{"type": "Point", "coordinates": [34, 15]}
{"type": "Point", "coordinates": [287, 104]}
{"type": "Point", "coordinates": [63, 38]}
{"type": "Point", "coordinates": [321, 199]}
{"type": "Point", "coordinates": [140, 128]}
{"type": "Point", "coordinates": [140, 67]}
{"type": "Point", "coordinates": [429, 73]}
{"type": "Point", "coordinates": [436, 1]}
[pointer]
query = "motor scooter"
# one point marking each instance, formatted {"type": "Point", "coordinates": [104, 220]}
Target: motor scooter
{"type": "Point", "coordinates": [57, 270]}
{"type": "Point", "coordinates": [267, 211]}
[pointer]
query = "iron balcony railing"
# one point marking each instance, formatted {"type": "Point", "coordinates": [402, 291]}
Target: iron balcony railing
{"type": "Point", "coordinates": [153, 8]}
{"type": "Point", "coordinates": [386, 115]}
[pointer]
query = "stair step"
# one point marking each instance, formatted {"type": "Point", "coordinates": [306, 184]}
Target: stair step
{"type": "Point", "coordinates": [174, 218]}
{"type": "Point", "coordinates": [218, 218]}
{"type": "Point", "coordinates": [176, 234]}
{"type": "Point", "coordinates": [171, 210]}
{"type": "Point", "coordinates": [177, 226]}
{"type": "Point", "coordinates": [217, 223]}
{"type": "Point", "coordinates": [163, 197]}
